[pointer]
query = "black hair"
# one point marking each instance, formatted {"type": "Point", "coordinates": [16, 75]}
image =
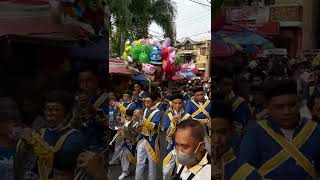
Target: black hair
{"type": "Point", "coordinates": [279, 87]}
{"type": "Point", "coordinates": [198, 130]}
{"type": "Point", "coordinates": [153, 96]}
{"type": "Point", "coordinates": [128, 92]}
{"type": "Point", "coordinates": [61, 97]}
{"type": "Point", "coordinates": [222, 109]}
{"type": "Point", "coordinates": [89, 68]}
{"type": "Point", "coordinates": [138, 83]}
{"type": "Point", "coordinates": [198, 89]}
{"type": "Point", "coordinates": [176, 96]}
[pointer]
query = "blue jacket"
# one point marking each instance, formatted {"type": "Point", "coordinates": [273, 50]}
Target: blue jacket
{"type": "Point", "coordinates": [258, 147]}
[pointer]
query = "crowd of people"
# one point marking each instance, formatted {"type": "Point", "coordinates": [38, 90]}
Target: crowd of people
{"type": "Point", "coordinates": [265, 120]}
{"type": "Point", "coordinates": [181, 112]}
{"type": "Point", "coordinates": [65, 139]}
{"type": "Point", "coordinates": [256, 120]}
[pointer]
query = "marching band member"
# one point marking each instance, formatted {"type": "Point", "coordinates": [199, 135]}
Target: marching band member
{"type": "Point", "coordinates": [57, 146]}
{"type": "Point", "coordinates": [283, 146]}
{"type": "Point", "coordinates": [172, 118]}
{"type": "Point", "coordinates": [193, 159]}
{"type": "Point", "coordinates": [200, 109]}
{"type": "Point", "coordinates": [88, 81]}
{"type": "Point", "coordinates": [124, 106]}
{"type": "Point", "coordinates": [139, 95]}
{"type": "Point", "coordinates": [225, 143]}
{"type": "Point", "coordinates": [148, 145]}
{"type": "Point", "coordinates": [92, 122]}
{"type": "Point", "coordinates": [128, 151]}
{"type": "Point", "coordinates": [259, 106]}
{"type": "Point", "coordinates": [240, 107]}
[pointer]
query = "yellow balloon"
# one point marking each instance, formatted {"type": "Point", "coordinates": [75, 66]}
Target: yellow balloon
{"type": "Point", "coordinates": [137, 42]}
{"type": "Point", "coordinates": [125, 56]}
{"type": "Point", "coordinates": [127, 48]}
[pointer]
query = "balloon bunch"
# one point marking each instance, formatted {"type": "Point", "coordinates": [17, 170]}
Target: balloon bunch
{"type": "Point", "coordinates": [151, 55]}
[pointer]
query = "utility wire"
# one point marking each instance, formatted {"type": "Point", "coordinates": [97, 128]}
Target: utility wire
{"type": "Point", "coordinates": [200, 3]}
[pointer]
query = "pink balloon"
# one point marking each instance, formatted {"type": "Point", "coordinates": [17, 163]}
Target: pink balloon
{"type": "Point", "coordinates": [166, 43]}
{"type": "Point", "coordinates": [170, 49]}
{"type": "Point", "coordinates": [172, 57]}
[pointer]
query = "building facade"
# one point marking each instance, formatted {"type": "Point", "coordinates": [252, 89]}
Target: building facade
{"type": "Point", "coordinates": [197, 52]}
{"type": "Point", "coordinates": [292, 24]}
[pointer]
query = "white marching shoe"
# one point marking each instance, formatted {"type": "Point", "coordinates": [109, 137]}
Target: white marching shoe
{"type": "Point", "coordinates": [123, 175]}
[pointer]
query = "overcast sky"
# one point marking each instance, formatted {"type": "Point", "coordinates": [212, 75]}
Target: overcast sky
{"type": "Point", "coordinates": [193, 20]}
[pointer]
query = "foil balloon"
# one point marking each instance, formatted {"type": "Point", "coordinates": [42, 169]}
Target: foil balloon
{"type": "Point", "coordinates": [170, 49]}
{"type": "Point", "coordinates": [143, 57]}
{"type": "Point", "coordinates": [130, 59]}
{"type": "Point", "coordinates": [125, 56]}
{"type": "Point", "coordinates": [135, 52]}
{"type": "Point", "coordinates": [155, 55]}
{"type": "Point", "coordinates": [178, 61]}
{"type": "Point", "coordinates": [166, 43]}
{"type": "Point", "coordinates": [164, 53]}
{"type": "Point", "coordinates": [145, 48]}
{"type": "Point", "coordinates": [172, 57]}
{"type": "Point", "coordinates": [148, 68]}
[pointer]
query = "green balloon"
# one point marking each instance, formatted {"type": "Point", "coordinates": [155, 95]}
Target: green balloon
{"type": "Point", "coordinates": [178, 60]}
{"type": "Point", "coordinates": [145, 48]}
{"type": "Point", "coordinates": [144, 58]}
{"type": "Point", "coordinates": [135, 52]}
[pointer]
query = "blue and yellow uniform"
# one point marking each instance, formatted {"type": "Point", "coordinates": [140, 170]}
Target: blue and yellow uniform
{"type": "Point", "coordinates": [100, 101]}
{"type": "Point", "coordinates": [240, 111]}
{"type": "Point", "coordinates": [186, 96]}
{"type": "Point", "coordinates": [160, 106]}
{"type": "Point", "coordinates": [148, 145]}
{"type": "Point", "coordinates": [170, 128]}
{"type": "Point", "coordinates": [139, 102]}
{"type": "Point", "coordinates": [265, 148]}
{"type": "Point", "coordinates": [94, 129]}
{"type": "Point", "coordinates": [124, 106]}
{"type": "Point", "coordinates": [199, 111]}
{"type": "Point", "coordinates": [260, 113]}
{"type": "Point", "coordinates": [68, 143]}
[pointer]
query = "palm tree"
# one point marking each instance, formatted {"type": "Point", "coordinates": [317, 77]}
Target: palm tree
{"type": "Point", "coordinates": [121, 19]}
{"type": "Point", "coordinates": [132, 18]}
{"type": "Point", "coordinates": [161, 12]}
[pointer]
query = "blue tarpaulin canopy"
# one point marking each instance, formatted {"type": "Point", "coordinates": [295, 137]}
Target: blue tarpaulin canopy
{"type": "Point", "coordinates": [188, 74]}
{"type": "Point", "coordinates": [243, 39]}
{"type": "Point", "coordinates": [141, 78]}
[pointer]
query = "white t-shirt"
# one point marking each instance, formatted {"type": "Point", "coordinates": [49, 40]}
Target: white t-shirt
{"type": "Point", "coordinates": [203, 174]}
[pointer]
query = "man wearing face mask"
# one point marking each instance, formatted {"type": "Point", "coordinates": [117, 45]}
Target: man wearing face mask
{"type": "Point", "coordinates": [172, 119]}
{"type": "Point", "coordinates": [148, 145]}
{"type": "Point", "coordinates": [193, 159]}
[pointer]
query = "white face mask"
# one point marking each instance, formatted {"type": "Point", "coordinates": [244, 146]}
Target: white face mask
{"type": "Point", "coordinates": [185, 158]}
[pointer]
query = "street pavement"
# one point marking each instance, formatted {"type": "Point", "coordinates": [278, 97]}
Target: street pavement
{"type": "Point", "coordinates": [115, 170]}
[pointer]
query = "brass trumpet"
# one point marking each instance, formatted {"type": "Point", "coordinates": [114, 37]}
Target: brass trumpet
{"type": "Point", "coordinates": [129, 130]}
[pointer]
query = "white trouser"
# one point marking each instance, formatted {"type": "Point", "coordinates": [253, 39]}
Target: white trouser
{"type": "Point", "coordinates": [117, 149]}
{"type": "Point", "coordinates": [125, 163]}
{"type": "Point", "coordinates": [142, 155]}
{"type": "Point", "coordinates": [168, 169]}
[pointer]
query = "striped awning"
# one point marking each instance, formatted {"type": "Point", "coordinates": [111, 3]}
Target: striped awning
{"type": "Point", "coordinates": [119, 67]}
